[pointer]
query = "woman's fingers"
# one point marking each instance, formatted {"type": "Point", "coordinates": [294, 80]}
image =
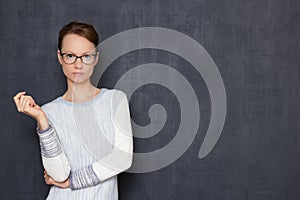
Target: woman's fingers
{"type": "Point", "coordinates": [21, 102]}
{"type": "Point", "coordinates": [48, 179]}
{"type": "Point", "coordinates": [24, 103]}
{"type": "Point", "coordinates": [31, 101]}
{"type": "Point", "coordinates": [17, 96]}
{"type": "Point", "coordinates": [17, 99]}
{"type": "Point", "coordinates": [27, 106]}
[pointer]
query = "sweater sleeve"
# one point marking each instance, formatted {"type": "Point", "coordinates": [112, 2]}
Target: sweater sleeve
{"type": "Point", "coordinates": [54, 159]}
{"type": "Point", "coordinates": [119, 160]}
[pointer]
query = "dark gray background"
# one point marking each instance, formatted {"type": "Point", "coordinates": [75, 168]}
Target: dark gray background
{"type": "Point", "coordinates": [254, 43]}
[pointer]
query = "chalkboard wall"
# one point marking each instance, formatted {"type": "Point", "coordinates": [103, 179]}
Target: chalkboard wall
{"type": "Point", "coordinates": [254, 46]}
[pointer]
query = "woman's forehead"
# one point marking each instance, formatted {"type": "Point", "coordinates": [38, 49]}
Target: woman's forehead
{"type": "Point", "coordinates": [77, 44]}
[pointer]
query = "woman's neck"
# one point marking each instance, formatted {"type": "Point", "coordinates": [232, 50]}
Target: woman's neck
{"type": "Point", "coordinates": [80, 92]}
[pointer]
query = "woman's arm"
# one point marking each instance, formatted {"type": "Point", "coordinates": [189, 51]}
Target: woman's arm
{"type": "Point", "coordinates": [54, 159]}
{"type": "Point", "coordinates": [119, 160]}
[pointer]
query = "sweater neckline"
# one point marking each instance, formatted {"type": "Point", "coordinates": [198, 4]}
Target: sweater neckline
{"type": "Point", "coordinates": [103, 90]}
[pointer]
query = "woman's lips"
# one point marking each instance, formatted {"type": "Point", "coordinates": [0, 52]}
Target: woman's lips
{"type": "Point", "coordinates": [77, 73]}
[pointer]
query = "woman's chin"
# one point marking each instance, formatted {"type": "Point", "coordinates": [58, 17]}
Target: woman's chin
{"type": "Point", "coordinates": [78, 80]}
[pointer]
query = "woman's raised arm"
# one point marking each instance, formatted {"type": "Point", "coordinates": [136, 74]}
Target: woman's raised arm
{"type": "Point", "coordinates": [54, 159]}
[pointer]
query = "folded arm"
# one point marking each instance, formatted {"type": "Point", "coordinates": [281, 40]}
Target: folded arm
{"type": "Point", "coordinates": [54, 158]}
{"type": "Point", "coordinates": [120, 158]}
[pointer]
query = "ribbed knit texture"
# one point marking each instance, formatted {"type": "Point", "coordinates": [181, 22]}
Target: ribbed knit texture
{"type": "Point", "coordinates": [86, 133]}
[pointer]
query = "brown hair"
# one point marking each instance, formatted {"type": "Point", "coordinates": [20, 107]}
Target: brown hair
{"type": "Point", "coordinates": [82, 29]}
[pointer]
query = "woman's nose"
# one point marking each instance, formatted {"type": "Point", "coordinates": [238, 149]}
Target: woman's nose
{"type": "Point", "coordinates": [78, 63]}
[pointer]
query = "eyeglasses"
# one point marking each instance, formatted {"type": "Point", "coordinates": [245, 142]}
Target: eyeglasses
{"type": "Point", "coordinates": [70, 58]}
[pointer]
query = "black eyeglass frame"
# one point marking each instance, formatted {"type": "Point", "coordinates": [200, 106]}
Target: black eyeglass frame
{"type": "Point", "coordinates": [94, 56]}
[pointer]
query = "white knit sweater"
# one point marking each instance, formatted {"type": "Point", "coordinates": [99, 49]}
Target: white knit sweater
{"type": "Point", "coordinates": [90, 143]}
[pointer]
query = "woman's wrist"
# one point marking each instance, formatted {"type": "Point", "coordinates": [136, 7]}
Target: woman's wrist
{"type": "Point", "coordinates": [43, 122]}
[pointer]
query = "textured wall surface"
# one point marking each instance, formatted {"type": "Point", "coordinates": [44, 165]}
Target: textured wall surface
{"type": "Point", "coordinates": [255, 45]}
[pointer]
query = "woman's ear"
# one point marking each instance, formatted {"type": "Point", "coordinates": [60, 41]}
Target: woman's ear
{"type": "Point", "coordinates": [59, 57]}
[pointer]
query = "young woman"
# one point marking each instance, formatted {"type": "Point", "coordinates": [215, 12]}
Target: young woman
{"type": "Point", "coordinates": [85, 134]}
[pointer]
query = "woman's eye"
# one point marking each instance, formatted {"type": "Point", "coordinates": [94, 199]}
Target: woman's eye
{"type": "Point", "coordinates": [70, 56]}
{"type": "Point", "coordinates": [87, 56]}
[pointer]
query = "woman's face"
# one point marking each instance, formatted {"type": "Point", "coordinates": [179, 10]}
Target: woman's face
{"type": "Point", "coordinates": [74, 45]}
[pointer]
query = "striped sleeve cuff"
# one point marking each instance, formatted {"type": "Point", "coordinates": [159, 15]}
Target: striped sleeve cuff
{"type": "Point", "coordinates": [49, 142]}
{"type": "Point", "coordinates": [85, 177]}
{"type": "Point", "coordinates": [43, 131]}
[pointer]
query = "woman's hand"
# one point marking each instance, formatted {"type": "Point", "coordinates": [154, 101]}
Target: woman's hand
{"type": "Point", "coordinates": [50, 181]}
{"type": "Point", "coordinates": [26, 104]}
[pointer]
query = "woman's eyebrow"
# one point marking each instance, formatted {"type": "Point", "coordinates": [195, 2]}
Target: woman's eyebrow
{"type": "Point", "coordinates": [87, 52]}
{"type": "Point", "coordinates": [70, 52]}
